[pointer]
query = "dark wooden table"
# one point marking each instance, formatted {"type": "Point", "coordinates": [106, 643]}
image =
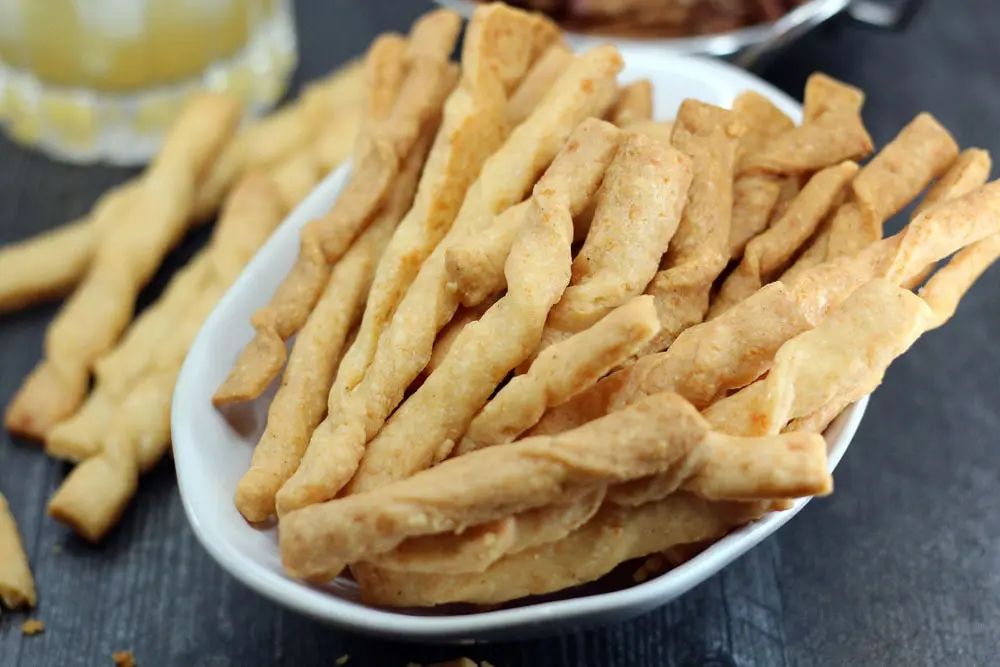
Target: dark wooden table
{"type": "Point", "coordinates": [900, 567]}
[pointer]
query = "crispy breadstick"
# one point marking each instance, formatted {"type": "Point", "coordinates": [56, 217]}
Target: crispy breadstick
{"type": "Point", "coordinates": [704, 362]}
{"type": "Point", "coordinates": [560, 372]}
{"type": "Point", "coordinates": [295, 177]}
{"type": "Point", "coordinates": [537, 82]}
{"type": "Point", "coordinates": [824, 93]}
{"type": "Point", "coordinates": [638, 210]}
{"type": "Point", "coordinates": [17, 587]}
{"type": "Point", "coordinates": [426, 426]}
{"type": "Point", "coordinates": [473, 127]}
{"type": "Point", "coordinates": [634, 104]}
{"type": "Point", "coordinates": [659, 434]}
{"type": "Point", "coordinates": [378, 156]}
{"type": "Point", "coordinates": [92, 320]}
{"type": "Point", "coordinates": [876, 324]}
{"type": "Point", "coordinates": [476, 265]}
{"type": "Point", "coordinates": [79, 437]}
{"type": "Point", "coordinates": [300, 402]}
{"type": "Point", "coordinates": [699, 250]}
{"type": "Point", "coordinates": [450, 333]}
{"type": "Point", "coordinates": [616, 534]}
{"type": "Point", "coordinates": [830, 139]}
{"type": "Point", "coordinates": [46, 266]}
{"type": "Point", "coordinates": [755, 195]}
{"type": "Point", "coordinates": [771, 251]}
{"type": "Point", "coordinates": [480, 546]}
{"type": "Point", "coordinates": [968, 172]}
{"type": "Point", "coordinates": [94, 495]}
{"type": "Point", "coordinates": [584, 90]}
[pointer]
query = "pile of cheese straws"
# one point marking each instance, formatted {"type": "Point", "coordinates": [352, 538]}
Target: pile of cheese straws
{"type": "Point", "coordinates": [540, 334]}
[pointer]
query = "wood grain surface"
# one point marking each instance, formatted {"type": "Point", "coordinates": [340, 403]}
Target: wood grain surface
{"type": "Point", "coordinates": [901, 566]}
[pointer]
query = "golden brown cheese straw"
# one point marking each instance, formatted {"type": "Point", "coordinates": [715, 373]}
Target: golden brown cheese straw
{"type": "Point", "coordinates": [704, 362]}
{"type": "Point", "coordinates": [473, 127]}
{"type": "Point", "coordinates": [17, 587]}
{"type": "Point", "coordinates": [537, 82]}
{"type": "Point", "coordinates": [560, 372]}
{"type": "Point", "coordinates": [79, 437]}
{"type": "Point", "coordinates": [634, 104]}
{"type": "Point", "coordinates": [46, 266]}
{"type": "Point", "coordinates": [947, 287]}
{"type": "Point", "coordinates": [426, 426]}
{"type": "Point", "coordinates": [830, 139]}
{"type": "Point", "coordinates": [638, 210]}
{"type": "Point", "coordinates": [616, 534]}
{"type": "Point", "coordinates": [448, 335]}
{"type": "Point", "coordinates": [300, 402]}
{"type": "Point", "coordinates": [771, 251]}
{"type": "Point", "coordinates": [94, 317]}
{"type": "Point", "coordinates": [658, 130]}
{"type": "Point", "coordinates": [874, 326]}
{"type": "Point", "coordinates": [96, 492]}
{"type": "Point", "coordinates": [295, 177]}
{"type": "Point", "coordinates": [405, 347]}
{"type": "Point", "coordinates": [659, 434]}
{"type": "Point", "coordinates": [475, 265]}
{"type": "Point", "coordinates": [824, 93]}
{"type": "Point", "coordinates": [380, 150]}
{"type": "Point", "coordinates": [699, 250]}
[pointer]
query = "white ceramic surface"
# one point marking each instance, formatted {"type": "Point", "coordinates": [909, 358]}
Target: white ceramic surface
{"type": "Point", "coordinates": [211, 451]}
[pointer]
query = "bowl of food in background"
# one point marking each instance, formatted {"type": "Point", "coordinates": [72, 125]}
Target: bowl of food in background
{"type": "Point", "coordinates": [745, 30]}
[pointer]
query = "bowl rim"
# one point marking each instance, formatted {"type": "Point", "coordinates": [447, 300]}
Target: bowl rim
{"type": "Point", "coordinates": [351, 615]}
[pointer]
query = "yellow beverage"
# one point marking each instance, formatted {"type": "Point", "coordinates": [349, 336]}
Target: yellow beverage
{"type": "Point", "coordinates": [100, 79]}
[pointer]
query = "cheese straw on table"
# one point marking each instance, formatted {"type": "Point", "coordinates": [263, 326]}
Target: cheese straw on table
{"type": "Point", "coordinates": [96, 492]}
{"type": "Point", "coordinates": [406, 345]}
{"type": "Point", "coordinates": [17, 587]}
{"type": "Point", "coordinates": [91, 321]}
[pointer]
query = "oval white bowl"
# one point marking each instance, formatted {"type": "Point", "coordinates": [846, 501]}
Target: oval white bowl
{"type": "Point", "coordinates": [212, 451]}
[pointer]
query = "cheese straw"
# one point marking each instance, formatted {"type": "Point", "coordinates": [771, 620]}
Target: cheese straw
{"type": "Point", "coordinates": [17, 586]}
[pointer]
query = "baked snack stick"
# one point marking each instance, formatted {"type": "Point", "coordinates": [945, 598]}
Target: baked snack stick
{"type": "Point", "coordinates": [876, 324]}
{"type": "Point", "coordinates": [770, 252]}
{"type": "Point", "coordinates": [323, 241]}
{"type": "Point", "coordinates": [475, 265]}
{"type": "Point", "coordinates": [404, 349]}
{"type": "Point", "coordinates": [17, 586]}
{"type": "Point", "coordinates": [699, 250]}
{"type": "Point", "coordinates": [824, 93]}
{"type": "Point", "coordinates": [472, 129]}
{"type": "Point", "coordinates": [614, 535]}
{"type": "Point", "coordinates": [90, 322]}
{"type": "Point", "coordinates": [79, 436]}
{"type": "Point", "coordinates": [659, 434]}
{"type": "Point", "coordinates": [94, 495]}
{"type": "Point", "coordinates": [921, 151]}
{"type": "Point", "coordinates": [561, 372]}
{"type": "Point", "coordinates": [300, 402]}
{"type": "Point", "coordinates": [634, 104]}
{"type": "Point", "coordinates": [706, 361]}
{"type": "Point", "coordinates": [639, 207]}
{"type": "Point", "coordinates": [537, 82]}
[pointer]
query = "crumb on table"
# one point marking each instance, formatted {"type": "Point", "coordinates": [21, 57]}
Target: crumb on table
{"type": "Point", "coordinates": [342, 660]}
{"type": "Point", "coordinates": [32, 627]}
{"type": "Point", "coordinates": [123, 659]}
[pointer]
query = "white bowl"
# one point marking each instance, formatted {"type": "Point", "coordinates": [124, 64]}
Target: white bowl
{"type": "Point", "coordinates": [212, 453]}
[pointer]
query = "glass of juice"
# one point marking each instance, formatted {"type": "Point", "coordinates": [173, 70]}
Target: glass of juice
{"type": "Point", "coordinates": [100, 80]}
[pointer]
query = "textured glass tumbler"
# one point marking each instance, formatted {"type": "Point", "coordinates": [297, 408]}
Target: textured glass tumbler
{"type": "Point", "coordinates": [100, 80]}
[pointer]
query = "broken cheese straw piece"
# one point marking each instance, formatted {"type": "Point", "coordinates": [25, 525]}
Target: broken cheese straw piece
{"type": "Point", "coordinates": [658, 434]}
{"type": "Point", "coordinates": [824, 93]}
{"type": "Point", "coordinates": [475, 265]}
{"type": "Point", "coordinates": [754, 195]}
{"type": "Point", "coordinates": [90, 322]}
{"type": "Point", "coordinates": [426, 426]}
{"type": "Point", "coordinates": [699, 250]}
{"type": "Point", "coordinates": [17, 587]}
{"type": "Point", "coordinates": [79, 437]}
{"type": "Point", "coordinates": [704, 362]}
{"type": "Point", "coordinates": [96, 492]}
{"type": "Point", "coordinates": [561, 372]}
{"type": "Point", "coordinates": [300, 402]}
{"type": "Point", "coordinates": [616, 534]}
{"type": "Point", "coordinates": [634, 104]}
{"type": "Point", "coordinates": [537, 82]}
{"type": "Point", "coordinates": [921, 151]}
{"type": "Point", "coordinates": [771, 251]}
{"type": "Point", "coordinates": [472, 129]}
{"type": "Point", "coordinates": [405, 347]}
{"type": "Point", "coordinates": [381, 147]}
{"type": "Point", "coordinates": [479, 547]}
{"type": "Point", "coordinates": [639, 206]}
{"type": "Point", "coordinates": [876, 324]}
